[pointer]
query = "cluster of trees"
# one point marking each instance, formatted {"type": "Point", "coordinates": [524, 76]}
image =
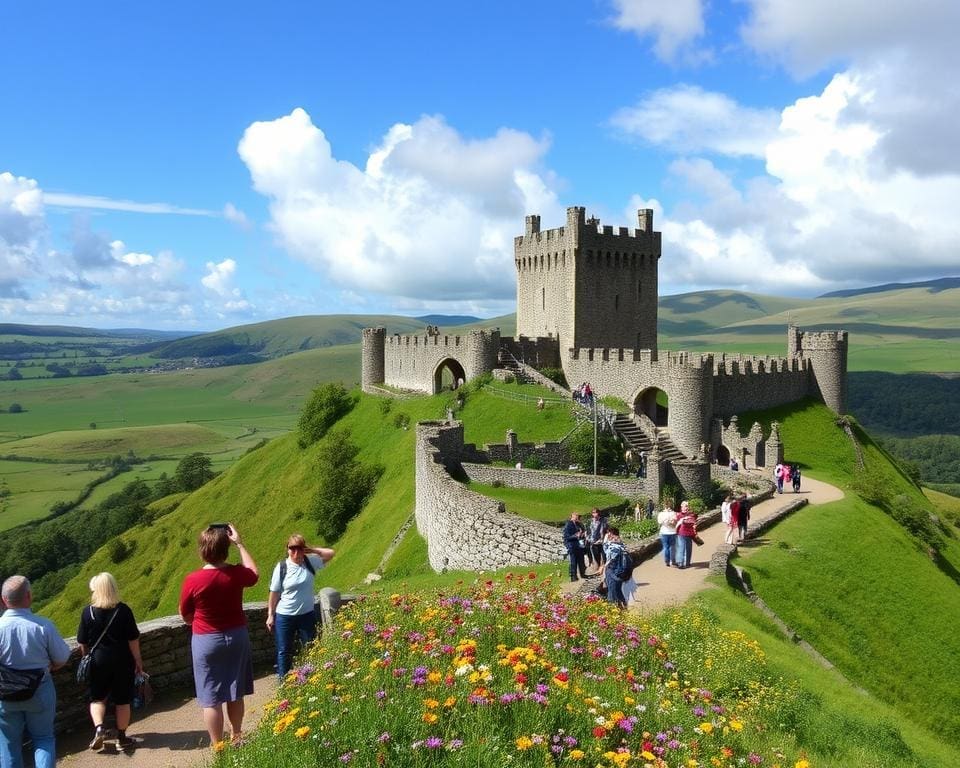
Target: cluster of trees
{"type": "Point", "coordinates": [325, 406]}
{"type": "Point", "coordinates": [14, 408]}
{"type": "Point", "coordinates": [906, 405]}
{"type": "Point", "coordinates": [936, 457]}
{"type": "Point", "coordinates": [50, 552]}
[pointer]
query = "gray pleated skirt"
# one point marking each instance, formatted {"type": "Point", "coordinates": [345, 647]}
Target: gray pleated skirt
{"type": "Point", "coordinates": [222, 666]}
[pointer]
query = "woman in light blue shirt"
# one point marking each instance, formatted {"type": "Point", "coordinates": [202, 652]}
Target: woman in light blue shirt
{"type": "Point", "coordinates": [290, 609]}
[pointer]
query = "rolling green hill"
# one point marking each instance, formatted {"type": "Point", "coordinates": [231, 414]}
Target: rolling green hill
{"type": "Point", "coordinates": [878, 616]}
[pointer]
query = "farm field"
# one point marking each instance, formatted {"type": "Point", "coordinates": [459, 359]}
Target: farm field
{"type": "Point", "coordinates": [33, 487]}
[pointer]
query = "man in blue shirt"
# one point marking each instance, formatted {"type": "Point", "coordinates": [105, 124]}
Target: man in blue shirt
{"type": "Point", "coordinates": [28, 642]}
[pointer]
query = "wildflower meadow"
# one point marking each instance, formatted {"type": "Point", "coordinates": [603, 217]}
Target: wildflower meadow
{"type": "Point", "coordinates": [511, 673]}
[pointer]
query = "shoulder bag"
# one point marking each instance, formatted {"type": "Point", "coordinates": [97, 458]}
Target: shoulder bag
{"type": "Point", "coordinates": [83, 667]}
{"type": "Point", "coordinates": [19, 684]}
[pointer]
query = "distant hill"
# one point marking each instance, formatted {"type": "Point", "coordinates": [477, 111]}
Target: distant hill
{"type": "Point", "coordinates": [65, 331]}
{"type": "Point", "coordinates": [941, 284]}
{"type": "Point", "coordinates": [448, 320]}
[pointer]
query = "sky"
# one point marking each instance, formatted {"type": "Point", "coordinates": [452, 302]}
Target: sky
{"type": "Point", "coordinates": [194, 166]}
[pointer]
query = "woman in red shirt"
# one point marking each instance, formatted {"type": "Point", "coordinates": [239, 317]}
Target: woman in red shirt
{"type": "Point", "coordinates": [211, 601]}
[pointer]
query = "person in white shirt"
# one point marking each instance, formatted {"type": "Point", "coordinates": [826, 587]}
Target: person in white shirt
{"type": "Point", "coordinates": [290, 607]}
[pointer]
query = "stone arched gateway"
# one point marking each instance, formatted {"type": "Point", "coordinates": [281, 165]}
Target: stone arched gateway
{"type": "Point", "coordinates": [448, 373]}
{"type": "Point", "coordinates": [723, 455]}
{"type": "Point", "coordinates": [654, 403]}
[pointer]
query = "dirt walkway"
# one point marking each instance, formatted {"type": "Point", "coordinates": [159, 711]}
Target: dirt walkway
{"type": "Point", "coordinates": [659, 585]}
{"type": "Point", "coordinates": [170, 734]}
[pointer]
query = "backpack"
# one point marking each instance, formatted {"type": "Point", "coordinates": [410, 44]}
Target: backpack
{"type": "Point", "coordinates": [621, 566]}
{"type": "Point", "coordinates": [283, 569]}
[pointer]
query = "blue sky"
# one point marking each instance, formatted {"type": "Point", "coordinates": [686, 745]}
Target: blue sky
{"type": "Point", "coordinates": [209, 164]}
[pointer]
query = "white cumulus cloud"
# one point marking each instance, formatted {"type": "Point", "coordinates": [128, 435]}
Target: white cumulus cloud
{"type": "Point", "coordinates": [432, 214]}
{"type": "Point", "coordinates": [686, 118]}
{"type": "Point", "coordinates": [674, 25]}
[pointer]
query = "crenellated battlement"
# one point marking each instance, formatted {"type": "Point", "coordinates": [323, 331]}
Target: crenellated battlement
{"type": "Point", "coordinates": [733, 365]}
{"type": "Point", "coordinates": [579, 229]}
{"type": "Point", "coordinates": [680, 359]}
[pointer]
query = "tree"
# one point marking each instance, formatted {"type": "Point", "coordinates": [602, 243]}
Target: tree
{"type": "Point", "coordinates": [325, 406]}
{"type": "Point", "coordinates": [344, 484]}
{"type": "Point", "coordinates": [193, 471]}
{"type": "Point", "coordinates": [15, 408]}
{"type": "Point", "coordinates": [14, 375]}
{"type": "Point", "coordinates": [580, 448]}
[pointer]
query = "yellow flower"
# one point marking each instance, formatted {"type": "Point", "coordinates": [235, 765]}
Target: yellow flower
{"type": "Point", "coordinates": [220, 746]}
{"type": "Point", "coordinates": [577, 754]}
{"type": "Point", "coordinates": [648, 755]}
{"type": "Point", "coordinates": [429, 717]}
{"type": "Point", "coordinates": [434, 677]}
{"type": "Point", "coordinates": [705, 727]}
{"type": "Point", "coordinates": [450, 701]}
{"type": "Point", "coordinates": [523, 743]}
{"type": "Point", "coordinates": [736, 725]}
{"type": "Point", "coordinates": [802, 764]}
{"type": "Point", "coordinates": [301, 733]}
{"type": "Point", "coordinates": [431, 703]}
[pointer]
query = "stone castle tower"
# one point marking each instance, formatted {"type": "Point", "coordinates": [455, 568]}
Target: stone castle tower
{"type": "Point", "coordinates": [587, 285]}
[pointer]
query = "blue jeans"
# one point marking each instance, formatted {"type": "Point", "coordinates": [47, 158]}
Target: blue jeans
{"type": "Point", "coordinates": [36, 716]}
{"type": "Point", "coordinates": [288, 629]}
{"type": "Point", "coordinates": [577, 567]}
{"type": "Point", "coordinates": [615, 591]}
{"type": "Point", "coordinates": [669, 543]}
{"type": "Point", "coordinates": [685, 547]}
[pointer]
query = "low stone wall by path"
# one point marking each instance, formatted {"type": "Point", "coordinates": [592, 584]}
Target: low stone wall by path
{"type": "Point", "coordinates": [165, 649]}
{"type": "Point", "coordinates": [543, 480]}
{"type": "Point", "coordinates": [720, 559]}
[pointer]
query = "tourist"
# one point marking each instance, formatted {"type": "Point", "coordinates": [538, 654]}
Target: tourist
{"type": "Point", "coordinates": [617, 566]}
{"type": "Point", "coordinates": [795, 478]}
{"type": "Point", "coordinates": [733, 464]}
{"type": "Point", "coordinates": [785, 474]}
{"type": "Point", "coordinates": [778, 476]}
{"type": "Point", "coordinates": [574, 538]}
{"type": "Point", "coordinates": [727, 519]}
{"type": "Point", "coordinates": [108, 631]}
{"type": "Point", "coordinates": [540, 403]}
{"type": "Point", "coordinates": [637, 512]}
{"type": "Point", "coordinates": [743, 516]}
{"type": "Point", "coordinates": [642, 466]}
{"type": "Point", "coordinates": [667, 520]}
{"type": "Point", "coordinates": [686, 533]}
{"type": "Point", "coordinates": [29, 642]}
{"type": "Point", "coordinates": [596, 530]}
{"type": "Point", "coordinates": [211, 602]}
{"type": "Point", "coordinates": [290, 606]}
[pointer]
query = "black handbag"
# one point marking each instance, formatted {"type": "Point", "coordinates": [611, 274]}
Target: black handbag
{"type": "Point", "coordinates": [19, 684]}
{"type": "Point", "coordinates": [83, 666]}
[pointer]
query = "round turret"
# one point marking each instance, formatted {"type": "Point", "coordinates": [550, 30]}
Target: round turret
{"type": "Point", "coordinates": [372, 356]}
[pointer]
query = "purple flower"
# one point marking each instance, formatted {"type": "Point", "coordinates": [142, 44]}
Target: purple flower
{"type": "Point", "coordinates": [381, 695]}
{"type": "Point", "coordinates": [454, 744]}
{"type": "Point", "coordinates": [673, 744]}
{"type": "Point", "coordinates": [383, 737]}
{"type": "Point", "coordinates": [434, 742]}
{"type": "Point", "coordinates": [346, 757]}
{"type": "Point", "coordinates": [699, 711]}
{"type": "Point", "coordinates": [661, 736]}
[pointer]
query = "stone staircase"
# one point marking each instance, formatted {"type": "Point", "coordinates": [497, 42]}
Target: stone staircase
{"type": "Point", "coordinates": [631, 434]}
{"type": "Point", "coordinates": [638, 441]}
{"type": "Point", "coordinates": [510, 363]}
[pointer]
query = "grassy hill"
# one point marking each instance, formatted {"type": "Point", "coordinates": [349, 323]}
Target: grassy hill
{"type": "Point", "coordinates": [846, 575]}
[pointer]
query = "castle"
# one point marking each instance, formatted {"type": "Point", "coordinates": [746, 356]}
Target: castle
{"type": "Point", "coordinates": [587, 302]}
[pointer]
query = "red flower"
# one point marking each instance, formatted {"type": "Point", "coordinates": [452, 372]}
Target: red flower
{"type": "Point", "coordinates": [599, 731]}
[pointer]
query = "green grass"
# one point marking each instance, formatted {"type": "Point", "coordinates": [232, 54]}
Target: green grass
{"type": "Point", "coordinates": [553, 506]}
{"type": "Point", "coordinates": [34, 488]}
{"type": "Point", "coordinates": [482, 424]}
{"type": "Point", "coordinates": [853, 583]}
{"type": "Point", "coordinates": [268, 495]}
{"type": "Point", "coordinates": [846, 726]}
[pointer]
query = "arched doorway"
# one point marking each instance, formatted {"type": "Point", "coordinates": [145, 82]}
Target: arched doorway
{"type": "Point", "coordinates": [448, 374]}
{"type": "Point", "coordinates": [723, 455]}
{"type": "Point", "coordinates": [654, 404]}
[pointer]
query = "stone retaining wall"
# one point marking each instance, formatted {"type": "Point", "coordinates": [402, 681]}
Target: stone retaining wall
{"type": "Point", "coordinates": [463, 529]}
{"type": "Point", "coordinates": [165, 649]}
{"type": "Point", "coordinates": [544, 480]}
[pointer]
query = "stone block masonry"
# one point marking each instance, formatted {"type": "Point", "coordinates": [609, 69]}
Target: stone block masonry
{"type": "Point", "coordinates": [464, 530]}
